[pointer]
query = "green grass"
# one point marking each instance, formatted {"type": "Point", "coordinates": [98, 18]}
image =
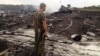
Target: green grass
{"type": "Point", "coordinates": [92, 10]}
{"type": "Point", "coordinates": [89, 9]}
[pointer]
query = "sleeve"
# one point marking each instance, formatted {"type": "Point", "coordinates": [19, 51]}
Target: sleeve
{"type": "Point", "coordinates": [43, 16]}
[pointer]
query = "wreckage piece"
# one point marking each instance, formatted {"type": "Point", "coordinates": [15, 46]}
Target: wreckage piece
{"type": "Point", "coordinates": [64, 10]}
{"type": "Point", "coordinates": [4, 53]}
{"type": "Point", "coordinates": [65, 27]}
{"type": "Point", "coordinates": [3, 45]}
{"type": "Point", "coordinates": [76, 37]}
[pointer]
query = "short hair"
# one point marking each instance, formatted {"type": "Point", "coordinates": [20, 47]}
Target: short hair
{"type": "Point", "coordinates": [42, 5]}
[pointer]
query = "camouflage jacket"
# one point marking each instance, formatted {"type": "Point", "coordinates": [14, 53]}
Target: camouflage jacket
{"type": "Point", "coordinates": [39, 17]}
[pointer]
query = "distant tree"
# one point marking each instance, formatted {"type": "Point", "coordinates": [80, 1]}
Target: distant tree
{"type": "Point", "coordinates": [93, 7]}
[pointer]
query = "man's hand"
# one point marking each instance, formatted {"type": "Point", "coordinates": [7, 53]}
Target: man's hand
{"type": "Point", "coordinates": [45, 34]}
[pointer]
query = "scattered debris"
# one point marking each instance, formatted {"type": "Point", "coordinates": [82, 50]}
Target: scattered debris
{"type": "Point", "coordinates": [76, 37]}
{"type": "Point", "coordinates": [17, 35]}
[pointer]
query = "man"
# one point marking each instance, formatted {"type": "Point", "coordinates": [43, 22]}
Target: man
{"type": "Point", "coordinates": [40, 27]}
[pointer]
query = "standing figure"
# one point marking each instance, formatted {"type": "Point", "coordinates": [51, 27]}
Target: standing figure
{"type": "Point", "coordinates": [40, 27]}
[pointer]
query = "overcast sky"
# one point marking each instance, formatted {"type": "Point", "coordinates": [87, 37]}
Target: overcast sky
{"type": "Point", "coordinates": [55, 4]}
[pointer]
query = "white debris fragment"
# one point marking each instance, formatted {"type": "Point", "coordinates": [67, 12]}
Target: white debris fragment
{"type": "Point", "coordinates": [91, 34]}
{"type": "Point", "coordinates": [73, 36]}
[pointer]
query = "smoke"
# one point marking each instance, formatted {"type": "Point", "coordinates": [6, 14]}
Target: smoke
{"type": "Point", "coordinates": [53, 5]}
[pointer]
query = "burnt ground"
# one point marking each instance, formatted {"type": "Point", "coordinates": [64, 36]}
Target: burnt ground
{"type": "Point", "coordinates": [75, 23]}
{"type": "Point", "coordinates": [22, 44]}
{"type": "Point", "coordinates": [17, 34]}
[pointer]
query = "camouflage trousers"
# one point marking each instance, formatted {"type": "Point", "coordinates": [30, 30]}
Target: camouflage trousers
{"type": "Point", "coordinates": [39, 43]}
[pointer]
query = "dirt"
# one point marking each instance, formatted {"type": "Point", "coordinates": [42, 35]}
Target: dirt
{"type": "Point", "coordinates": [76, 23]}
{"type": "Point", "coordinates": [57, 45]}
{"type": "Point", "coordinates": [17, 34]}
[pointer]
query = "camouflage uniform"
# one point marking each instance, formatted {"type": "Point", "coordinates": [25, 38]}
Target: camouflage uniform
{"type": "Point", "coordinates": [39, 34]}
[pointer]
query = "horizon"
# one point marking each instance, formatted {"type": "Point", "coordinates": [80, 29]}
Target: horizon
{"type": "Point", "coordinates": [53, 5]}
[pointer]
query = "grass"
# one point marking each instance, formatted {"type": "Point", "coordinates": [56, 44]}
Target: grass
{"type": "Point", "coordinates": [89, 9]}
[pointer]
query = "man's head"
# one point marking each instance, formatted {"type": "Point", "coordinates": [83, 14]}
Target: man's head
{"type": "Point", "coordinates": [42, 6]}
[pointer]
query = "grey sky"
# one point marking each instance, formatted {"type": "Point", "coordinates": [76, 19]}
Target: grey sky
{"type": "Point", "coordinates": [55, 4]}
